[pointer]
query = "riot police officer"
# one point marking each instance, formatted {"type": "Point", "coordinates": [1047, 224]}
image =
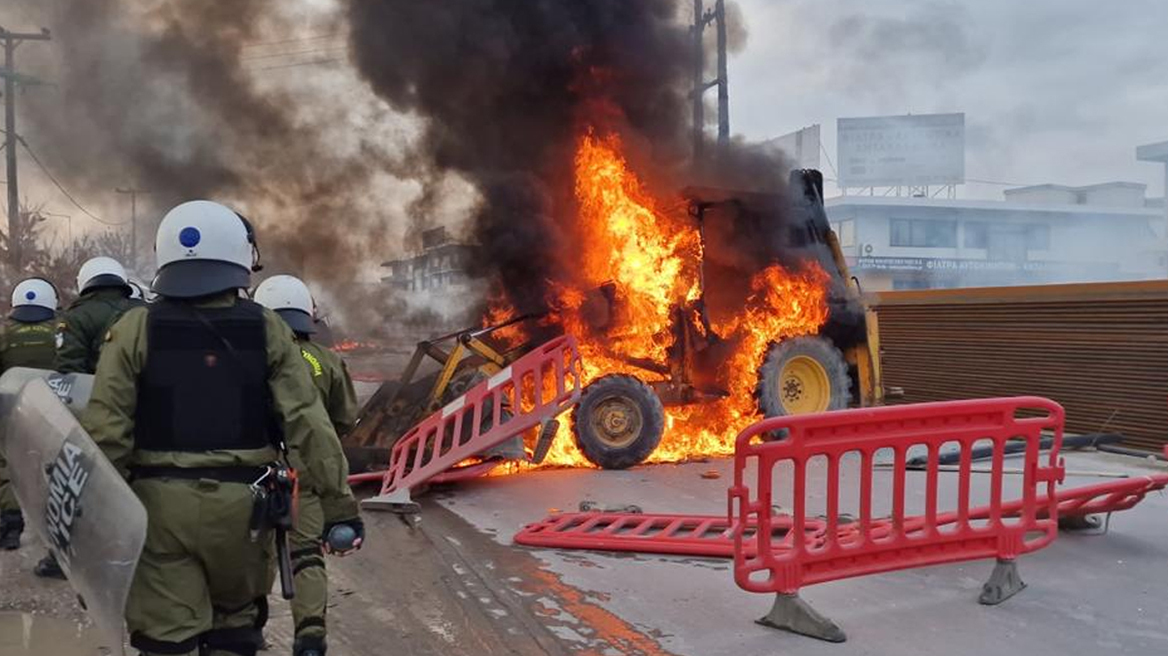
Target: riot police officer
{"type": "Point", "coordinates": [195, 397]}
{"type": "Point", "coordinates": [104, 295]}
{"type": "Point", "coordinates": [28, 340]}
{"type": "Point", "coordinates": [289, 297]}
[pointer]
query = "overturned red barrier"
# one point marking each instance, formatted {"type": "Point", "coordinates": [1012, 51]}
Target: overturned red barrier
{"type": "Point", "coordinates": [711, 536]}
{"type": "Point", "coordinates": [530, 392]}
{"type": "Point", "coordinates": [683, 535]}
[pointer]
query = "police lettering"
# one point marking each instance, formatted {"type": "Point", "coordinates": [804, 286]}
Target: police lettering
{"type": "Point", "coordinates": [66, 484]}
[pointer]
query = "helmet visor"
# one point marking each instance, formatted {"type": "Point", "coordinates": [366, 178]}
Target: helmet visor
{"type": "Point", "coordinates": [106, 280]}
{"type": "Point", "coordinates": [31, 313]}
{"type": "Point", "coordinates": [298, 320]}
{"type": "Point", "coordinates": [194, 278]}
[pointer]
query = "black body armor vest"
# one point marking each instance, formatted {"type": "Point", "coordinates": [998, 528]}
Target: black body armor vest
{"type": "Point", "coordinates": [205, 384]}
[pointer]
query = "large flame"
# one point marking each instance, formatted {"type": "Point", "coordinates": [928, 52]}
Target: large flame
{"type": "Point", "coordinates": [652, 260]}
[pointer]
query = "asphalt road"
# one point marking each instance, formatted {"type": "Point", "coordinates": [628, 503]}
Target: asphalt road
{"type": "Point", "coordinates": [453, 584]}
{"type": "Point", "coordinates": [1087, 593]}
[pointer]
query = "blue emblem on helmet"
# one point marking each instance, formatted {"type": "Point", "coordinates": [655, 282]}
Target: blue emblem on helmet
{"type": "Point", "coordinates": [30, 294]}
{"type": "Point", "coordinates": [189, 237]}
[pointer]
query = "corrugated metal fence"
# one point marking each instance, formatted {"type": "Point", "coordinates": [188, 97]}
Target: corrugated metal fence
{"type": "Point", "coordinates": [1101, 350]}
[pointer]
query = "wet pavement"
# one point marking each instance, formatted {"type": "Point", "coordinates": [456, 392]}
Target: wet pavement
{"type": "Point", "coordinates": [1087, 593]}
{"type": "Point", "coordinates": [26, 634]}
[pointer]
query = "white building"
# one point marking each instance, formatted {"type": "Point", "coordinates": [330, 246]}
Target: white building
{"type": "Point", "coordinates": [1040, 234]}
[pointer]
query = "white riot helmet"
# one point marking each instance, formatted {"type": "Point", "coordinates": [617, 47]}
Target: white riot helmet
{"type": "Point", "coordinates": [101, 272]}
{"type": "Point", "coordinates": [203, 248]}
{"type": "Point", "coordinates": [290, 298]}
{"type": "Point", "coordinates": [34, 300]}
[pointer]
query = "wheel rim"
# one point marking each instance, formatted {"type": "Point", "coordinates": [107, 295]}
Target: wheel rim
{"type": "Point", "coordinates": [617, 421]}
{"type": "Point", "coordinates": [804, 386]}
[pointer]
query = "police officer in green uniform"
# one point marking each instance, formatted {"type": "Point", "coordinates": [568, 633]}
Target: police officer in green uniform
{"type": "Point", "coordinates": [194, 397]}
{"type": "Point", "coordinates": [28, 340]}
{"type": "Point", "coordinates": [289, 297]}
{"type": "Point", "coordinates": [104, 296]}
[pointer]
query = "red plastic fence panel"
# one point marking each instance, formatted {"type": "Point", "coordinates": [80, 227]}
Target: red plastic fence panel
{"type": "Point", "coordinates": [713, 537]}
{"type": "Point", "coordinates": [686, 535]}
{"type": "Point", "coordinates": [872, 544]}
{"type": "Point", "coordinates": [533, 389]}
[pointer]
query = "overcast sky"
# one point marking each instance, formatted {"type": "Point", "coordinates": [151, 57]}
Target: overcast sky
{"type": "Point", "coordinates": [1057, 91]}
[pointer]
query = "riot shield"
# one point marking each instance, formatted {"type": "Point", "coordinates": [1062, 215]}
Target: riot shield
{"type": "Point", "coordinates": [73, 390]}
{"type": "Point", "coordinates": [74, 500]}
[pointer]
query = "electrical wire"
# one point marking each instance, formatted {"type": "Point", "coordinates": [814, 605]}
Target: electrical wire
{"type": "Point", "coordinates": [293, 40]}
{"type": "Point", "coordinates": [62, 189]}
{"type": "Point", "coordinates": [295, 64]}
{"type": "Point", "coordinates": [998, 183]}
{"type": "Point", "coordinates": [293, 53]}
{"type": "Point", "coordinates": [829, 162]}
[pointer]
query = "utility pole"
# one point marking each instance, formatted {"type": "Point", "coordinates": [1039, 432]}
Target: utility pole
{"type": "Point", "coordinates": [133, 192]}
{"type": "Point", "coordinates": [702, 18]}
{"type": "Point", "coordinates": [723, 77]}
{"type": "Point", "coordinates": [11, 41]}
{"type": "Point", "coordinates": [699, 74]}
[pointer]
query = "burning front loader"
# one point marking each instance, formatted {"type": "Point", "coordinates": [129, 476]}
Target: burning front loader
{"type": "Point", "coordinates": [620, 417]}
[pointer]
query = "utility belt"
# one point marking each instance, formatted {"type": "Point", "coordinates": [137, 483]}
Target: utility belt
{"type": "Point", "coordinates": [246, 475]}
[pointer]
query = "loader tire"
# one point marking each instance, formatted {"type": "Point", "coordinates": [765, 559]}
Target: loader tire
{"type": "Point", "coordinates": [618, 422]}
{"type": "Point", "coordinates": [803, 375]}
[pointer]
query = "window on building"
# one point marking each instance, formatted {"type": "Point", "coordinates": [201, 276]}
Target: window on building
{"type": "Point", "coordinates": [901, 232]}
{"type": "Point", "coordinates": [923, 233]}
{"type": "Point", "coordinates": [976, 235]}
{"type": "Point", "coordinates": [846, 231]}
{"type": "Point", "coordinates": [1038, 237]}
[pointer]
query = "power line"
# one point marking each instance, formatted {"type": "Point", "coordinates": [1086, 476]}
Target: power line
{"type": "Point", "coordinates": [293, 53]}
{"type": "Point", "coordinates": [61, 188]}
{"type": "Point", "coordinates": [996, 182]}
{"type": "Point", "coordinates": [295, 64]}
{"type": "Point", "coordinates": [293, 40]}
{"type": "Point", "coordinates": [829, 162]}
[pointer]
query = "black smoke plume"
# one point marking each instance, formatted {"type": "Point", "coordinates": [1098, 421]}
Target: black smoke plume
{"type": "Point", "coordinates": [507, 88]}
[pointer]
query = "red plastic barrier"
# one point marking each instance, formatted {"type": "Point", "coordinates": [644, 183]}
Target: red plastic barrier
{"type": "Point", "coordinates": [533, 389]}
{"type": "Point", "coordinates": [872, 545]}
{"type": "Point", "coordinates": [680, 534]}
{"type": "Point", "coordinates": [685, 535]}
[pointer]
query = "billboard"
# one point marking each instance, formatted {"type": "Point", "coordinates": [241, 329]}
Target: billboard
{"type": "Point", "coordinates": [893, 151]}
{"type": "Point", "coordinates": [801, 147]}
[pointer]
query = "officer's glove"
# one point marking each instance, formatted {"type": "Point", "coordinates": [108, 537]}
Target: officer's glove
{"type": "Point", "coordinates": [344, 537]}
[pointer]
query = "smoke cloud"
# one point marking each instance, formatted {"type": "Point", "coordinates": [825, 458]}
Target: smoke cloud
{"type": "Point", "coordinates": [415, 114]}
{"type": "Point", "coordinates": [508, 87]}
{"type": "Point", "coordinates": [171, 97]}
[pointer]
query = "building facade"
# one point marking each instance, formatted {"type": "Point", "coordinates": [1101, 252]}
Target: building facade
{"type": "Point", "coordinates": [1041, 234]}
{"type": "Point", "coordinates": [440, 266]}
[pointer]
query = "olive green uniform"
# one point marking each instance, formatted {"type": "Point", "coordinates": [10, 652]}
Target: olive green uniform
{"type": "Point", "coordinates": [23, 345]}
{"type": "Point", "coordinates": [199, 572]}
{"type": "Point", "coordinates": [332, 381]}
{"type": "Point", "coordinates": [83, 327]}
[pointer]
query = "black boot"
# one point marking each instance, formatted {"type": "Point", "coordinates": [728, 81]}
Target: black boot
{"type": "Point", "coordinates": [49, 568]}
{"type": "Point", "coordinates": [309, 646]}
{"type": "Point", "coordinates": [11, 526]}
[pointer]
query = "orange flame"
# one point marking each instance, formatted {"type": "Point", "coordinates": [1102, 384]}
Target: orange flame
{"type": "Point", "coordinates": [652, 260]}
{"type": "Point", "coordinates": [348, 345]}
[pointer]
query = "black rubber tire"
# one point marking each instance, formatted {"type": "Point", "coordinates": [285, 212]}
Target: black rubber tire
{"type": "Point", "coordinates": [604, 454]}
{"type": "Point", "coordinates": [768, 391]}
